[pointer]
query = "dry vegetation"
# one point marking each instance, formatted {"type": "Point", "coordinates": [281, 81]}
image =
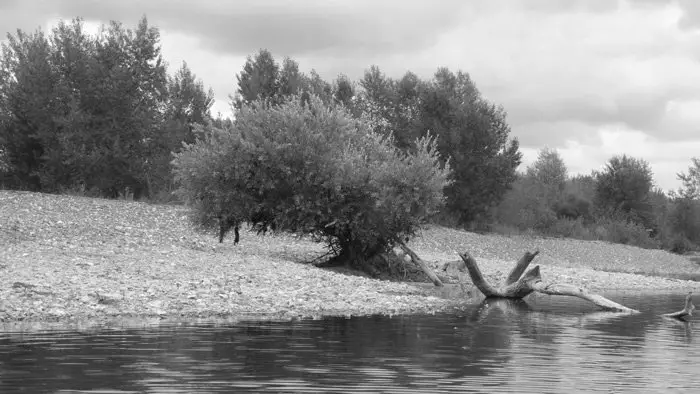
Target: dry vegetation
{"type": "Point", "coordinates": [71, 258]}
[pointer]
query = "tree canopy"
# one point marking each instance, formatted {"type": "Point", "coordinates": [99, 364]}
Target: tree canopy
{"type": "Point", "coordinates": [317, 171]}
{"type": "Point", "coordinates": [96, 112]}
{"type": "Point", "coordinates": [623, 188]}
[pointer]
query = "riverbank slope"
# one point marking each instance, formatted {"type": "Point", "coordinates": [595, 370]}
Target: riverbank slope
{"type": "Point", "coordinates": [71, 258]}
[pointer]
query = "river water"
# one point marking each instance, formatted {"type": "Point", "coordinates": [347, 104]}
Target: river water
{"type": "Point", "coordinates": [543, 345]}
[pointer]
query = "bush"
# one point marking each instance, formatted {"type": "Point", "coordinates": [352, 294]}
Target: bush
{"type": "Point", "coordinates": [621, 231]}
{"type": "Point", "coordinates": [680, 245]}
{"type": "Point", "coordinates": [524, 207]}
{"type": "Point", "coordinates": [316, 171]}
{"type": "Point", "coordinates": [573, 207]}
{"type": "Point", "coordinates": [540, 219]}
{"type": "Point", "coordinates": [623, 188]}
{"type": "Point", "coordinates": [685, 218]}
{"type": "Point", "coordinates": [571, 228]}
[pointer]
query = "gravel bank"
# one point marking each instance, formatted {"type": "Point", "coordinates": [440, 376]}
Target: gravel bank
{"type": "Point", "coordinates": [67, 258]}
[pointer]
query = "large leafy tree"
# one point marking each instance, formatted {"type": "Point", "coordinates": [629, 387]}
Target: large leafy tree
{"type": "Point", "coordinates": [474, 134]}
{"type": "Point", "coordinates": [344, 91]}
{"type": "Point", "coordinates": [392, 104]}
{"type": "Point", "coordinates": [260, 79]}
{"type": "Point", "coordinates": [263, 79]}
{"type": "Point", "coordinates": [29, 92]}
{"type": "Point", "coordinates": [623, 188]}
{"type": "Point", "coordinates": [549, 175]}
{"type": "Point", "coordinates": [82, 109]}
{"type": "Point", "coordinates": [290, 79]}
{"type": "Point", "coordinates": [130, 87]}
{"type": "Point", "coordinates": [316, 170]}
{"type": "Point", "coordinates": [188, 104]}
{"type": "Point", "coordinates": [549, 169]}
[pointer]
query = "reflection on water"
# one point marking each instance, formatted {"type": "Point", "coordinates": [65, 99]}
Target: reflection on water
{"type": "Point", "coordinates": [544, 345]}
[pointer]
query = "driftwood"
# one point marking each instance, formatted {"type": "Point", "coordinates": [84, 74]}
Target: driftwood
{"type": "Point", "coordinates": [527, 316]}
{"type": "Point", "coordinates": [422, 264]}
{"type": "Point", "coordinates": [518, 286]}
{"type": "Point", "coordinates": [687, 311]}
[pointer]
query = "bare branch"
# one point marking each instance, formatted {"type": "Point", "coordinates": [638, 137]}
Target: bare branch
{"type": "Point", "coordinates": [687, 311]}
{"type": "Point", "coordinates": [573, 291]}
{"type": "Point", "coordinates": [423, 265]}
{"type": "Point", "coordinates": [477, 278]}
{"type": "Point", "coordinates": [517, 287]}
{"type": "Point", "coordinates": [521, 266]}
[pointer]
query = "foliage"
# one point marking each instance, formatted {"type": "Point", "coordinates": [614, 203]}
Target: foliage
{"type": "Point", "coordinates": [577, 201]}
{"type": "Point", "coordinates": [82, 110]}
{"type": "Point", "coordinates": [540, 203]}
{"type": "Point", "coordinates": [263, 79]}
{"type": "Point", "coordinates": [535, 200]}
{"type": "Point", "coordinates": [684, 219]}
{"type": "Point", "coordinates": [573, 207]}
{"type": "Point", "coordinates": [623, 188]}
{"type": "Point", "coordinates": [318, 171]}
{"type": "Point", "coordinates": [691, 181]}
{"type": "Point", "coordinates": [622, 231]}
{"type": "Point", "coordinates": [473, 134]}
{"type": "Point", "coordinates": [188, 104]}
{"type": "Point", "coordinates": [95, 114]}
{"type": "Point", "coordinates": [343, 91]}
{"type": "Point", "coordinates": [571, 228]}
{"type": "Point", "coordinates": [260, 79]}
{"type": "Point", "coordinates": [680, 244]}
{"type": "Point", "coordinates": [524, 208]}
{"type": "Point", "coordinates": [550, 172]}
{"type": "Point", "coordinates": [582, 186]}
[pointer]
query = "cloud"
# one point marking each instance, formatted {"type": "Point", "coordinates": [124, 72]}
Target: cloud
{"type": "Point", "coordinates": [666, 158]}
{"type": "Point", "coordinates": [623, 65]}
{"type": "Point", "coordinates": [293, 28]}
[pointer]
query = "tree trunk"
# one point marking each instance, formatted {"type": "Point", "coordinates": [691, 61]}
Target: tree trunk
{"type": "Point", "coordinates": [423, 265]}
{"type": "Point", "coordinates": [518, 287]}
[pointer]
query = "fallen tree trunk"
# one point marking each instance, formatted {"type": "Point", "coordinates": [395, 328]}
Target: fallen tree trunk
{"type": "Point", "coordinates": [687, 311]}
{"type": "Point", "coordinates": [518, 286]}
{"type": "Point", "coordinates": [422, 264]}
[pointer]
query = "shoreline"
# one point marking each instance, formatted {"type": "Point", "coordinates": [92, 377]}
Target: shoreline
{"type": "Point", "coordinates": [298, 294]}
{"type": "Point", "coordinates": [79, 261]}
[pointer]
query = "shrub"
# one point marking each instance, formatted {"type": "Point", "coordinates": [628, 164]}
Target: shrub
{"type": "Point", "coordinates": [680, 245]}
{"type": "Point", "coordinates": [617, 230]}
{"type": "Point", "coordinates": [573, 207]}
{"type": "Point", "coordinates": [685, 218]}
{"type": "Point", "coordinates": [571, 228]}
{"type": "Point", "coordinates": [540, 219]}
{"type": "Point", "coordinates": [317, 171]}
{"type": "Point", "coordinates": [623, 188]}
{"type": "Point", "coordinates": [525, 206]}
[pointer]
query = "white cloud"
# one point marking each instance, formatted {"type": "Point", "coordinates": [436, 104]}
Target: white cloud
{"type": "Point", "coordinates": [217, 71]}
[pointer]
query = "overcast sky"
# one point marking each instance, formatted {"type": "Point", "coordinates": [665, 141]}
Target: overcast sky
{"type": "Point", "coordinates": [591, 78]}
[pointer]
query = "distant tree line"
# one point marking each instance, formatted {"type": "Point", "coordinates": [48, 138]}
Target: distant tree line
{"type": "Point", "coordinates": [620, 204]}
{"type": "Point", "coordinates": [100, 115]}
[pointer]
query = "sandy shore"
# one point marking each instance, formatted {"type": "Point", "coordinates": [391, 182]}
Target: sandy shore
{"type": "Point", "coordinates": [70, 259]}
